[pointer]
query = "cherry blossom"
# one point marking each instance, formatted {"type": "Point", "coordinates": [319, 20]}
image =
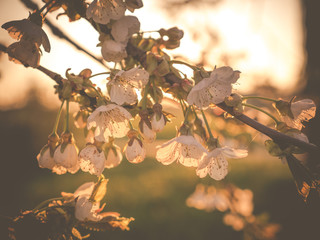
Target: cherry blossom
{"type": "Point", "coordinates": [113, 156]}
{"type": "Point", "coordinates": [87, 210]}
{"type": "Point", "coordinates": [184, 149]}
{"type": "Point", "coordinates": [110, 121]}
{"type": "Point", "coordinates": [123, 28]}
{"type": "Point", "coordinates": [302, 110]}
{"type": "Point", "coordinates": [213, 89]}
{"type": "Point", "coordinates": [215, 163]}
{"type": "Point", "coordinates": [134, 149]}
{"type": "Point", "coordinates": [92, 160]}
{"type": "Point", "coordinates": [122, 86]}
{"type": "Point", "coordinates": [101, 11]}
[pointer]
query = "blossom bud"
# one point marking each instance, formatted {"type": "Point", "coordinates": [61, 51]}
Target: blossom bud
{"type": "Point", "coordinates": [145, 127]}
{"type": "Point", "coordinates": [172, 33]}
{"type": "Point", "coordinates": [158, 120]}
{"type": "Point", "coordinates": [233, 100]}
{"type": "Point", "coordinates": [134, 149]}
{"type": "Point", "coordinates": [45, 157]}
{"type": "Point", "coordinates": [163, 68]}
{"type": "Point", "coordinates": [152, 62]}
{"type": "Point", "coordinates": [238, 110]}
{"type": "Point", "coordinates": [66, 156]}
{"type": "Point", "coordinates": [113, 156]}
{"type": "Point", "coordinates": [92, 160]}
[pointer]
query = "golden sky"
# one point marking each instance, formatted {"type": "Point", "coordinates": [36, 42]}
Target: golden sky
{"type": "Point", "coordinates": [261, 38]}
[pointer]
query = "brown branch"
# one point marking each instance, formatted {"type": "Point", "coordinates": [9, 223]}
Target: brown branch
{"type": "Point", "coordinates": [140, 56]}
{"type": "Point", "coordinates": [54, 76]}
{"type": "Point", "coordinates": [273, 134]}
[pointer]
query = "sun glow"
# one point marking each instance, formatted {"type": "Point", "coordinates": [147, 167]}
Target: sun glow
{"type": "Point", "coordinates": [257, 39]}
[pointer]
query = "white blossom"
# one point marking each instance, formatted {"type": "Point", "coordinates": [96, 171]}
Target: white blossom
{"type": "Point", "coordinates": [110, 121]}
{"type": "Point", "coordinates": [122, 86]}
{"type": "Point", "coordinates": [135, 151]}
{"type": "Point", "coordinates": [123, 28]}
{"type": "Point", "coordinates": [184, 149]}
{"type": "Point", "coordinates": [101, 11]}
{"type": "Point", "coordinates": [113, 156]}
{"type": "Point", "coordinates": [66, 159]}
{"type": "Point", "coordinates": [215, 163]}
{"type": "Point", "coordinates": [213, 89]}
{"type": "Point", "coordinates": [86, 210]}
{"type": "Point", "coordinates": [148, 134]}
{"type": "Point", "coordinates": [85, 190]}
{"type": "Point", "coordinates": [45, 160]}
{"type": "Point", "coordinates": [92, 160]}
{"type": "Point", "coordinates": [113, 51]}
{"type": "Point", "coordinates": [157, 124]}
{"type": "Point", "coordinates": [303, 110]}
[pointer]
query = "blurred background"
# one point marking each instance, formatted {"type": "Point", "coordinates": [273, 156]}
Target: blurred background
{"type": "Point", "coordinates": [275, 44]}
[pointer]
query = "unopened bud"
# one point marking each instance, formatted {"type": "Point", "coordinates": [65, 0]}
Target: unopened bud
{"type": "Point", "coordinates": [233, 100]}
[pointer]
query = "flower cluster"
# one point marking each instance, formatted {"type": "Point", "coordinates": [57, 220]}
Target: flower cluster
{"type": "Point", "coordinates": [238, 207]}
{"type": "Point", "coordinates": [120, 27]}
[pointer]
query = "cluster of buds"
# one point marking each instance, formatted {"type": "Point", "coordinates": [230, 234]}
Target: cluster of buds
{"type": "Point", "coordinates": [117, 28]}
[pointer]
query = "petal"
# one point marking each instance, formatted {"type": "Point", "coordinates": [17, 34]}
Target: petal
{"type": "Point", "coordinates": [218, 167]}
{"type": "Point", "coordinates": [167, 153]}
{"type": "Point", "coordinates": [234, 153]}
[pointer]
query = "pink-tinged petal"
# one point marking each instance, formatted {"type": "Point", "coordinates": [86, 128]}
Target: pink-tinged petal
{"type": "Point", "coordinates": [91, 160]}
{"type": "Point", "coordinates": [234, 153]}
{"type": "Point", "coordinates": [85, 190]}
{"type": "Point", "coordinates": [218, 167]}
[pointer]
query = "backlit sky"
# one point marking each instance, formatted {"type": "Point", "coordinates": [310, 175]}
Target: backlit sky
{"type": "Point", "coordinates": [264, 37]}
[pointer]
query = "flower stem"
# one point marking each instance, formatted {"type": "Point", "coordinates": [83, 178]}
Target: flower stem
{"type": "Point", "coordinates": [144, 98]}
{"type": "Point", "coordinates": [183, 63]}
{"type": "Point", "coordinates": [97, 74]}
{"type": "Point", "coordinates": [262, 98]}
{"type": "Point", "coordinates": [45, 203]}
{"type": "Point", "coordinates": [67, 117]}
{"type": "Point", "coordinates": [154, 91]}
{"type": "Point", "coordinates": [207, 125]}
{"type": "Point", "coordinates": [261, 110]}
{"type": "Point", "coordinates": [186, 115]}
{"type": "Point", "coordinates": [55, 127]}
{"type": "Point", "coordinates": [131, 127]}
{"type": "Point", "coordinates": [182, 107]}
{"type": "Point", "coordinates": [44, 6]}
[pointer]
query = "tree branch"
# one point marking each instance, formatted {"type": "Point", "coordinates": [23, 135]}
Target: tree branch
{"type": "Point", "coordinates": [54, 76]}
{"type": "Point", "coordinates": [140, 55]}
{"type": "Point", "coordinates": [273, 134]}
